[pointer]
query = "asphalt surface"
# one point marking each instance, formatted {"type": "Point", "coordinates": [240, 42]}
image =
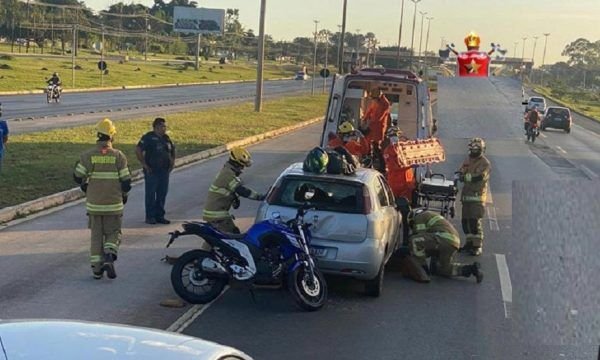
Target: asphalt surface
{"type": "Point", "coordinates": [26, 113]}
{"type": "Point", "coordinates": [546, 308]}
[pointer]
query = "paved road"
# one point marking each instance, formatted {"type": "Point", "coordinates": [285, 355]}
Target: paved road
{"type": "Point", "coordinates": [549, 311]}
{"type": "Point", "coordinates": [78, 108]}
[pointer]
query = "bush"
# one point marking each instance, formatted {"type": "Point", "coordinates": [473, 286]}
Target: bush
{"type": "Point", "coordinates": [5, 67]}
{"type": "Point", "coordinates": [6, 57]}
{"type": "Point", "coordinates": [157, 48]}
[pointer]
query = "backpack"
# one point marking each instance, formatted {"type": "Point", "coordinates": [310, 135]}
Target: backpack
{"type": "Point", "coordinates": [341, 162]}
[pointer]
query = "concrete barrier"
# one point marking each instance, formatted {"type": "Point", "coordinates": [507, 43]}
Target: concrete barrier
{"type": "Point", "coordinates": [34, 206]}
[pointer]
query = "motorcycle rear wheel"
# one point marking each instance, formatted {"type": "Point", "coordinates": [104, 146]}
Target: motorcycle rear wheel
{"type": "Point", "coordinates": [308, 295]}
{"type": "Point", "coordinates": [191, 283]}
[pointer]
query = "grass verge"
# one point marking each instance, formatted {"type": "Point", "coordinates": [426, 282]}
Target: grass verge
{"type": "Point", "coordinates": [588, 108]}
{"type": "Point", "coordinates": [27, 73]}
{"type": "Point", "coordinates": [40, 164]}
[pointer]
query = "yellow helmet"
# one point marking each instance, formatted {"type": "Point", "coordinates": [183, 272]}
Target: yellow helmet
{"type": "Point", "coordinates": [106, 127]}
{"type": "Point", "coordinates": [346, 127]}
{"type": "Point", "coordinates": [241, 156]}
{"type": "Point", "coordinates": [477, 144]}
{"type": "Point", "coordinates": [472, 40]}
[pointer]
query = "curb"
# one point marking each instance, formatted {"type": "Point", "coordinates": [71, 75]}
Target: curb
{"type": "Point", "coordinates": [134, 87]}
{"type": "Point", "coordinates": [34, 206]}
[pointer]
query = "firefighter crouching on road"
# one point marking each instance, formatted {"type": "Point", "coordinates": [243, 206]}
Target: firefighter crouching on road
{"type": "Point", "coordinates": [400, 177]}
{"type": "Point", "coordinates": [432, 236]}
{"type": "Point", "coordinates": [475, 174]}
{"type": "Point", "coordinates": [225, 189]}
{"type": "Point", "coordinates": [350, 139]}
{"type": "Point", "coordinates": [103, 175]}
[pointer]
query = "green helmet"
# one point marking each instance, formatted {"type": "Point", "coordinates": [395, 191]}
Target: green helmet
{"type": "Point", "coordinates": [316, 161]}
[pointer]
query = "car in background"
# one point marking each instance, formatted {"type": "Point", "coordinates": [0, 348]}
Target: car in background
{"type": "Point", "coordinates": [557, 117]}
{"type": "Point", "coordinates": [301, 75]}
{"type": "Point", "coordinates": [358, 227]}
{"type": "Point", "coordinates": [68, 339]}
{"type": "Point", "coordinates": [535, 101]}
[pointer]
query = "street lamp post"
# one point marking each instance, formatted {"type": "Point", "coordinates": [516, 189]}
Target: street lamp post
{"type": "Point", "coordinates": [312, 91]}
{"type": "Point", "coordinates": [261, 57]}
{"type": "Point", "coordinates": [341, 52]}
{"type": "Point", "coordinates": [358, 48]}
{"type": "Point", "coordinates": [339, 43]}
{"type": "Point", "coordinates": [400, 35]}
{"type": "Point", "coordinates": [544, 57]}
{"type": "Point", "coordinates": [515, 51]}
{"type": "Point", "coordinates": [412, 42]}
{"type": "Point", "coordinates": [427, 37]}
{"type": "Point", "coordinates": [421, 33]}
{"type": "Point", "coordinates": [326, 43]}
{"type": "Point", "coordinates": [533, 56]}
{"type": "Point", "coordinates": [523, 60]}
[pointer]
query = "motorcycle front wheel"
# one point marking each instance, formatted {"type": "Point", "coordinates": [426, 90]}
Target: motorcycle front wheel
{"type": "Point", "coordinates": [309, 294]}
{"type": "Point", "coordinates": [191, 283]}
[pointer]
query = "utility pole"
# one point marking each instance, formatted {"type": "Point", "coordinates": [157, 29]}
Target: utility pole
{"type": "Point", "coordinates": [523, 60]}
{"type": "Point", "coordinates": [73, 56]}
{"type": "Point", "coordinates": [412, 42]}
{"type": "Point", "coordinates": [261, 57]}
{"type": "Point", "coordinates": [146, 39]}
{"type": "Point", "coordinates": [427, 40]}
{"type": "Point", "coordinates": [515, 51]}
{"type": "Point", "coordinates": [421, 34]}
{"type": "Point", "coordinates": [400, 35]}
{"type": "Point", "coordinates": [326, 34]}
{"type": "Point", "coordinates": [544, 58]}
{"type": "Point", "coordinates": [102, 58]}
{"type": "Point", "coordinates": [312, 91]}
{"type": "Point", "coordinates": [341, 53]}
{"type": "Point", "coordinates": [533, 57]}
{"type": "Point", "coordinates": [358, 48]}
{"type": "Point", "coordinates": [339, 44]}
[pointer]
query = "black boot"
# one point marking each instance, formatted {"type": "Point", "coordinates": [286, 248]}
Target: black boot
{"type": "Point", "coordinates": [109, 265]}
{"type": "Point", "coordinates": [476, 271]}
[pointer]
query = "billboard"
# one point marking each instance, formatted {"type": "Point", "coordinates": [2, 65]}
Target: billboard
{"type": "Point", "coordinates": [198, 20]}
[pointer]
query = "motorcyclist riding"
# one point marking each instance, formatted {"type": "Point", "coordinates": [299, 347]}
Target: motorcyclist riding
{"type": "Point", "coordinates": [55, 80]}
{"type": "Point", "coordinates": [532, 118]}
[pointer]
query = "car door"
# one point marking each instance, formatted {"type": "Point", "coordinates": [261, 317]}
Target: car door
{"type": "Point", "coordinates": [392, 213]}
{"type": "Point", "coordinates": [383, 215]}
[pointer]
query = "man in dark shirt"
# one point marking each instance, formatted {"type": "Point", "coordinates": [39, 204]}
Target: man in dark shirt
{"type": "Point", "coordinates": [156, 153]}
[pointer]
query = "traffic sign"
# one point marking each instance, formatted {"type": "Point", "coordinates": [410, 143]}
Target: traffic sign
{"type": "Point", "coordinates": [325, 73]}
{"type": "Point", "coordinates": [102, 65]}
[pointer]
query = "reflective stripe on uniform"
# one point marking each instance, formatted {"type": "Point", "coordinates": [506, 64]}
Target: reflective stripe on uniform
{"type": "Point", "coordinates": [124, 173]}
{"type": "Point", "coordinates": [472, 198]}
{"type": "Point", "coordinates": [215, 214]}
{"type": "Point", "coordinates": [80, 170]}
{"type": "Point", "coordinates": [218, 190]}
{"type": "Point", "coordinates": [433, 220]}
{"type": "Point", "coordinates": [111, 246]}
{"type": "Point", "coordinates": [450, 237]}
{"type": "Point", "coordinates": [420, 227]}
{"type": "Point", "coordinates": [95, 259]}
{"type": "Point", "coordinates": [105, 175]}
{"type": "Point", "coordinates": [104, 208]}
{"type": "Point", "coordinates": [233, 184]}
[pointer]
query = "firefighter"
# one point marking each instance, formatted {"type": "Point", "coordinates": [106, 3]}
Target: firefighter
{"type": "Point", "coordinates": [376, 118]}
{"type": "Point", "coordinates": [400, 177]}
{"type": "Point", "coordinates": [475, 174]}
{"type": "Point", "coordinates": [103, 175]}
{"type": "Point", "coordinates": [432, 236]}
{"type": "Point", "coordinates": [351, 139]}
{"type": "Point", "coordinates": [225, 191]}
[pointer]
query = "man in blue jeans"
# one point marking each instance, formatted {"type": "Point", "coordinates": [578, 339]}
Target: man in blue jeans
{"type": "Point", "coordinates": [156, 153]}
{"type": "Point", "coordinates": [3, 137]}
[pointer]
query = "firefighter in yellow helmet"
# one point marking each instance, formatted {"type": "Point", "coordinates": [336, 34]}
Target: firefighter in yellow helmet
{"type": "Point", "coordinates": [225, 190]}
{"type": "Point", "coordinates": [475, 174]}
{"type": "Point", "coordinates": [103, 175]}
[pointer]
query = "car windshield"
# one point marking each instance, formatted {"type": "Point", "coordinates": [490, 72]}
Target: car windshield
{"type": "Point", "coordinates": [538, 100]}
{"type": "Point", "coordinates": [330, 195]}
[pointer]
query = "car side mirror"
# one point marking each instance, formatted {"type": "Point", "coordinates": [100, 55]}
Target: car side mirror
{"type": "Point", "coordinates": [524, 102]}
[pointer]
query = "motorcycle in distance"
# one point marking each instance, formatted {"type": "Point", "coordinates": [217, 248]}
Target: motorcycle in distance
{"type": "Point", "coordinates": [532, 131]}
{"type": "Point", "coordinates": [270, 253]}
{"type": "Point", "coordinates": [52, 93]}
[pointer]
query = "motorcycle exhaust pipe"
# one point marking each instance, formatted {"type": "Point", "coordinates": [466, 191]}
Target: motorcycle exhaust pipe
{"type": "Point", "coordinates": [213, 267]}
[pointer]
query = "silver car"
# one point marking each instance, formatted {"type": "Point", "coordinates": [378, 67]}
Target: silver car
{"type": "Point", "coordinates": [357, 225]}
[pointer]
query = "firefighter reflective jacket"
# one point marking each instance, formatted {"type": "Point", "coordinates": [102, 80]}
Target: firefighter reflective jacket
{"type": "Point", "coordinates": [104, 169]}
{"type": "Point", "coordinates": [476, 173]}
{"type": "Point", "coordinates": [376, 118]}
{"type": "Point", "coordinates": [432, 223]}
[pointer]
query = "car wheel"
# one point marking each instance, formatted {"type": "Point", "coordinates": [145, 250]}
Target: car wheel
{"type": "Point", "coordinates": [374, 287]}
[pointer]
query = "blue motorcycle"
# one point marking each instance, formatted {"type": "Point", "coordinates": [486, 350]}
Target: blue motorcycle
{"type": "Point", "coordinates": [270, 253]}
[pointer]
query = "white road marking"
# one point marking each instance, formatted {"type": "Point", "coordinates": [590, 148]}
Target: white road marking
{"type": "Point", "coordinates": [592, 175]}
{"type": "Point", "coordinates": [543, 135]}
{"type": "Point", "coordinates": [561, 149]}
{"type": "Point", "coordinates": [189, 316]}
{"type": "Point", "coordinates": [505, 284]}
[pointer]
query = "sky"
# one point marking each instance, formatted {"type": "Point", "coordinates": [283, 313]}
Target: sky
{"type": "Point", "coordinates": [503, 22]}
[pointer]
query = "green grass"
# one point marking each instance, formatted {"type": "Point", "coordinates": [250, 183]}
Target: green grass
{"type": "Point", "coordinates": [40, 164]}
{"type": "Point", "coordinates": [587, 107]}
{"type": "Point", "coordinates": [26, 73]}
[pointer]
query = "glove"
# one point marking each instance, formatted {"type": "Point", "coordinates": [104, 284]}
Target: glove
{"type": "Point", "coordinates": [83, 187]}
{"type": "Point", "coordinates": [468, 177]}
{"type": "Point", "coordinates": [125, 199]}
{"type": "Point", "coordinates": [236, 203]}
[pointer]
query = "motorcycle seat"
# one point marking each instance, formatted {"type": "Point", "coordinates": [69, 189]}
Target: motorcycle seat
{"type": "Point", "coordinates": [233, 236]}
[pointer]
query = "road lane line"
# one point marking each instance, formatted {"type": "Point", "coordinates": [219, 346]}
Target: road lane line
{"type": "Point", "coordinates": [561, 149]}
{"type": "Point", "coordinates": [592, 175]}
{"type": "Point", "coordinates": [505, 284]}
{"type": "Point", "coordinates": [192, 314]}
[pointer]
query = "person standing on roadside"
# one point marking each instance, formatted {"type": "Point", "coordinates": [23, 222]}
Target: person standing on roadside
{"type": "Point", "coordinates": [156, 153]}
{"type": "Point", "coordinates": [3, 136]}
